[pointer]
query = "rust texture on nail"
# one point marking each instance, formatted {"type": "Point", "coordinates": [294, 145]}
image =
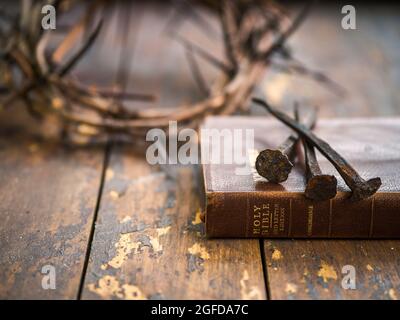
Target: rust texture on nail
{"type": "Point", "coordinates": [319, 186]}
{"type": "Point", "coordinates": [360, 187]}
{"type": "Point", "coordinates": [276, 164]}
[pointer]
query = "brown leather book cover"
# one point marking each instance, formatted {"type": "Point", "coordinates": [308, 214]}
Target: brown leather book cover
{"type": "Point", "coordinates": [246, 205]}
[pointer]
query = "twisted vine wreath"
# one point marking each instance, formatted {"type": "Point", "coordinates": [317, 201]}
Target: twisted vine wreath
{"type": "Point", "coordinates": [253, 31]}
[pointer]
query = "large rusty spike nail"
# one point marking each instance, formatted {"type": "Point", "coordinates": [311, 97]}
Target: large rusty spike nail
{"type": "Point", "coordinates": [276, 164]}
{"type": "Point", "coordinates": [360, 188]}
{"type": "Point", "coordinates": [319, 186]}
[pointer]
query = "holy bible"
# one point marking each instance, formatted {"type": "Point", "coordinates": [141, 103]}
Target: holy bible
{"type": "Point", "coordinates": [241, 203]}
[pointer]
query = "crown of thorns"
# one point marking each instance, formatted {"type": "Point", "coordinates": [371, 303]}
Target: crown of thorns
{"type": "Point", "coordinates": [252, 32]}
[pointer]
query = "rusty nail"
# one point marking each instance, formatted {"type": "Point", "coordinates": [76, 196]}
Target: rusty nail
{"type": "Point", "coordinates": [319, 186]}
{"type": "Point", "coordinates": [276, 164]}
{"type": "Point", "coordinates": [360, 187]}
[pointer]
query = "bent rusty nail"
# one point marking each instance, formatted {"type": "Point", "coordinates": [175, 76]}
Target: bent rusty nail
{"type": "Point", "coordinates": [360, 187]}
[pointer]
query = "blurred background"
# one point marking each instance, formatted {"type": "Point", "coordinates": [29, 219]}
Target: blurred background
{"type": "Point", "coordinates": [116, 227]}
{"type": "Point", "coordinates": [139, 49]}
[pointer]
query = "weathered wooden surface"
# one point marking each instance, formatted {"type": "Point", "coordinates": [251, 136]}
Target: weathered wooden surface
{"type": "Point", "coordinates": [149, 242]}
{"type": "Point", "coordinates": [301, 269]}
{"type": "Point", "coordinates": [366, 62]}
{"type": "Point", "coordinates": [47, 198]}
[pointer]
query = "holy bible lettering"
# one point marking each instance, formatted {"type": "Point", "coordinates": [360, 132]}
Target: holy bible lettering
{"type": "Point", "coordinates": [250, 206]}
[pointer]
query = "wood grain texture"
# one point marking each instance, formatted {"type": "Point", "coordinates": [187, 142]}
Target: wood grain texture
{"type": "Point", "coordinates": [366, 62]}
{"type": "Point", "coordinates": [47, 199]}
{"type": "Point", "coordinates": [149, 241]}
{"type": "Point", "coordinates": [305, 269]}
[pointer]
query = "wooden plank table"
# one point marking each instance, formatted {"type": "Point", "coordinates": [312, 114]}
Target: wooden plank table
{"type": "Point", "coordinates": [115, 227]}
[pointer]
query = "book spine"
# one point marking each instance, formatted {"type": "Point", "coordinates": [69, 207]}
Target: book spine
{"type": "Point", "coordinates": [291, 215]}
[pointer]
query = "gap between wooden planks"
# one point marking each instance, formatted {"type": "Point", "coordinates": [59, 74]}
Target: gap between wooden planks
{"type": "Point", "coordinates": [365, 61]}
{"type": "Point", "coordinates": [149, 242]}
{"type": "Point", "coordinates": [48, 195]}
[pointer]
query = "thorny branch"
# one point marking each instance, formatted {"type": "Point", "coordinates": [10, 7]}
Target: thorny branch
{"type": "Point", "coordinates": [252, 31]}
